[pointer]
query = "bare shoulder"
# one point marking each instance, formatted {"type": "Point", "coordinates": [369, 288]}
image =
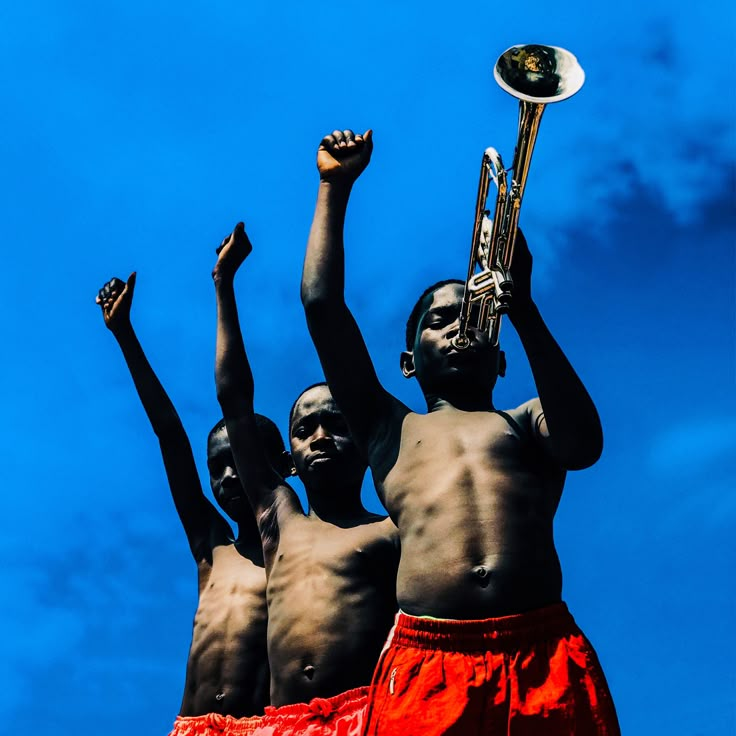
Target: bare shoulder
{"type": "Point", "coordinates": [528, 416]}
{"type": "Point", "coordinates": [383, 529]}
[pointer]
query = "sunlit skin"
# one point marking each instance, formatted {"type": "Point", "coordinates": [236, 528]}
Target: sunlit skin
{"type": "Point", "coordinates": [227, 668]}
{"type": "Point", "coordinates": [473, 490]}
{"type": "Point", "coordinates": [331, 572]}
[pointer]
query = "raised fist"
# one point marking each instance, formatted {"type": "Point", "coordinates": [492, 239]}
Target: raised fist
{"type": "Point", "coordinates": [233, 250]}
{"type": "Point", "coordinates": [115, 298]}
{"type": "Point", "coordinates": [342, 156]}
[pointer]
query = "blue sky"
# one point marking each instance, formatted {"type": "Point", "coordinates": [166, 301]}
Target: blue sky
{"type": "Point", "coordinates": [135, 135]}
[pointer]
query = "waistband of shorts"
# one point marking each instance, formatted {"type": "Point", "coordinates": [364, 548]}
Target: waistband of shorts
{"type": "Point", "coordinates": [476, 635]}
{"type": "Point", "coordinates": [213, 723]}
{"type": "Point", "coordinates": [351, 699]}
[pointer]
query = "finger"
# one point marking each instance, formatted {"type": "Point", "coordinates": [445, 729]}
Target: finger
{"type": "Point", "coordinates": [327, 143]}
{"type": "Point", "coordinates": [349, 138]}
{"type": "Point", "coordinates": [339, 137]}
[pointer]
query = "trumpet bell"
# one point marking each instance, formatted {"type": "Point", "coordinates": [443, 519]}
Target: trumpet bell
{"type": "Point", "coordinates": [542, 74]}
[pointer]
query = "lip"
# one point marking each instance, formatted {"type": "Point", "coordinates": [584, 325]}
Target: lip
{"type": "Point", "coordinates": [320, 458]}
{"type": "Point", "coordinates": [460, 355]}
{"type": "Point", "coordinates": [227, 500]}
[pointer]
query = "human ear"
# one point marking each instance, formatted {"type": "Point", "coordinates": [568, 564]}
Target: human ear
{"type": "Point", "coordinates": [287, 465]}
{"type": "Point", "coordinates": [407, 364]}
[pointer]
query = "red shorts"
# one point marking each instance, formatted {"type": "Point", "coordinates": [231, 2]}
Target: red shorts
{"type": "Point", "coordinates": [340, 715]}
{"type": "Point", "coordinates": [523, 675]}
{"type": "Point", "coordinates": [213, 724]}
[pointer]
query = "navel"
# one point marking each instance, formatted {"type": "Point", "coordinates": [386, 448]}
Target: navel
{"type": "Point", "coordinates": [482, 575]}
{"type": "Point", "coordinates": [309, 671]}
{"type": "Point", "coordinates": [220, 695]}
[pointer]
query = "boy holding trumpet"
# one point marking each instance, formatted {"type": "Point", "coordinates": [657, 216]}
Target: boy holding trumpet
{"type": "Point", "coordinates": [483, 642]}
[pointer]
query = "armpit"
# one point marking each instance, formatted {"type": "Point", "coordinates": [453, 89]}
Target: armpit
{"type": "Point", "coordinates": [269, 530]}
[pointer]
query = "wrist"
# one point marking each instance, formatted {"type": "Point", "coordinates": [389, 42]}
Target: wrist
{"type": "Point", "coordinates": [336, 187]}
{"type": "Point", "coordinates": [222, 278]}
{"type": "Point", "coordinates": [122, 330]}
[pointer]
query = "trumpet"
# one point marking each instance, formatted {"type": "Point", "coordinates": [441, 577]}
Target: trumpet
{"type": "Point", "coordinates": [537, 76]}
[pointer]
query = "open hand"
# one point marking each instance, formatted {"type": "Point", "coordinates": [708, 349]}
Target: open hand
{"type": "Point", "coordinates": [342, 156]}
{"type": "Point", "coordinates": [115, 299]}
{"type": "Point", "coordinates": [233, 250]}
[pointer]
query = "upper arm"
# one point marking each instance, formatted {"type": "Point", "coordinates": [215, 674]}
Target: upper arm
{"type": "Point", "coordinates": [203, 524]}
{"type": "Point", "coordinates": [540, 433]}
{"type": "Point", "coordinates": [348, 368]}
{"type": "Point", "coordinates": [530, 417]}
{"type": "Point", "coordinates": [269, 495]}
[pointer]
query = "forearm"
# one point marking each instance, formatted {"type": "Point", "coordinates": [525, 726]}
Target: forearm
{"type": "Point", "coordinates": [233, 375]}
{"type": "Point", "coordinates": [575, 434]}
{"type": "Point", "coordinates": [323, 277]}
{"type": "Point", "coordinates": [156, 403]}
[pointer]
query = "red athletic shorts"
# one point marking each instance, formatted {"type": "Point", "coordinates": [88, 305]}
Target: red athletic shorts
{"type": "Point", "coordinates": [340, 715]}
{"type": "Point", "coordinates": [213, 724]}
{"type": "Point", "coordinates": [525, 675]}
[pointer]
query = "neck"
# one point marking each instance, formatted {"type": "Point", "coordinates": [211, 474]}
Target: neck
{"type": "Point", "coordinates": [339, 505]}
{"type": "Point", "coordinates": [461, 399]}
{"type": "Point", "coordinates": [247, 532]}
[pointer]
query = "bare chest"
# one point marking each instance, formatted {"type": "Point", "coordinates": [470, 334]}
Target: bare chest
{"type": "Point", "coordinates": [234, 592]}
{"type": "Point", "coordinates": [316, 555]}
{"type": "Point", "coordinates": [452, 451]}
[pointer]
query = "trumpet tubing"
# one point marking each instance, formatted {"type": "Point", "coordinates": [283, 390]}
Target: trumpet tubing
{"type": "Point", "coordinates": [537, 76]}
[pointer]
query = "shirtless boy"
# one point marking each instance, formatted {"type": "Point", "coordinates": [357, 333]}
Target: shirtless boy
{"type": "Point", "coordinates": [227, 671]}
{"type": "Point", "coordinates": [332, 572]}
{"type": "Point", "coordinates": [484, 643]}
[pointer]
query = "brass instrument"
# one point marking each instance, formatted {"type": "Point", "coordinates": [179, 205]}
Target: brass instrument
{"type": "Point", "coordinates": [536, 76]}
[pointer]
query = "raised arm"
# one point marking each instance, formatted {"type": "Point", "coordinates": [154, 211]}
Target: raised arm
{"type": "Point", "coordinates": [341, 158]}
{"type": "Point", "coordinates": [270, 497]}
{"type": "Point", "coordinates": [202, 523]}
{"type": "Point", "coordinates": [567, 421]}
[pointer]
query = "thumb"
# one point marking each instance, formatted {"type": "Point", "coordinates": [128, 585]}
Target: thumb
{"type": "Point", "coordinates": [130, 285]}
{"type": "Point", "coordinates": [239, 232]}
{"type": "Point", "coordinates": [368, 138]}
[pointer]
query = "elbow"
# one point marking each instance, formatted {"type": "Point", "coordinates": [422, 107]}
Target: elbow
{"type": "Point", "coordinates": [225, 393]}
{"type": "Point", "coordinates": [583, 454]}
{"type": "Point", "coordinates": [317, 295]}
{"type": "Point", "coordinates": [232, 399]}
{"type": "Point", "coordinates": [317, 306]}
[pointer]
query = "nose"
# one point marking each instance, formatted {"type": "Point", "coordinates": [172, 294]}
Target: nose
{"type": "Point", "coordinates": [453, 329]}
{"type": "Point", "coordinates": [320, 438]}
{"type": "Point", "coordinates": [229, 477]}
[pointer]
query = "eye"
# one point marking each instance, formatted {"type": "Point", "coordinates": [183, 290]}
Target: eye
{"type": "Point", "coordinates": [339, 426]}
{"type": "Point", "coordinates": [435, 320]}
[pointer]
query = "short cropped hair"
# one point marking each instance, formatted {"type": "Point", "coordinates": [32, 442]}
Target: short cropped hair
{"type": "Point", "coordinates": [413, 322]}
{"type": "Point", "coordinates": [273, 443]}
{"type": "Point", "coordinates": [296, 401]}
